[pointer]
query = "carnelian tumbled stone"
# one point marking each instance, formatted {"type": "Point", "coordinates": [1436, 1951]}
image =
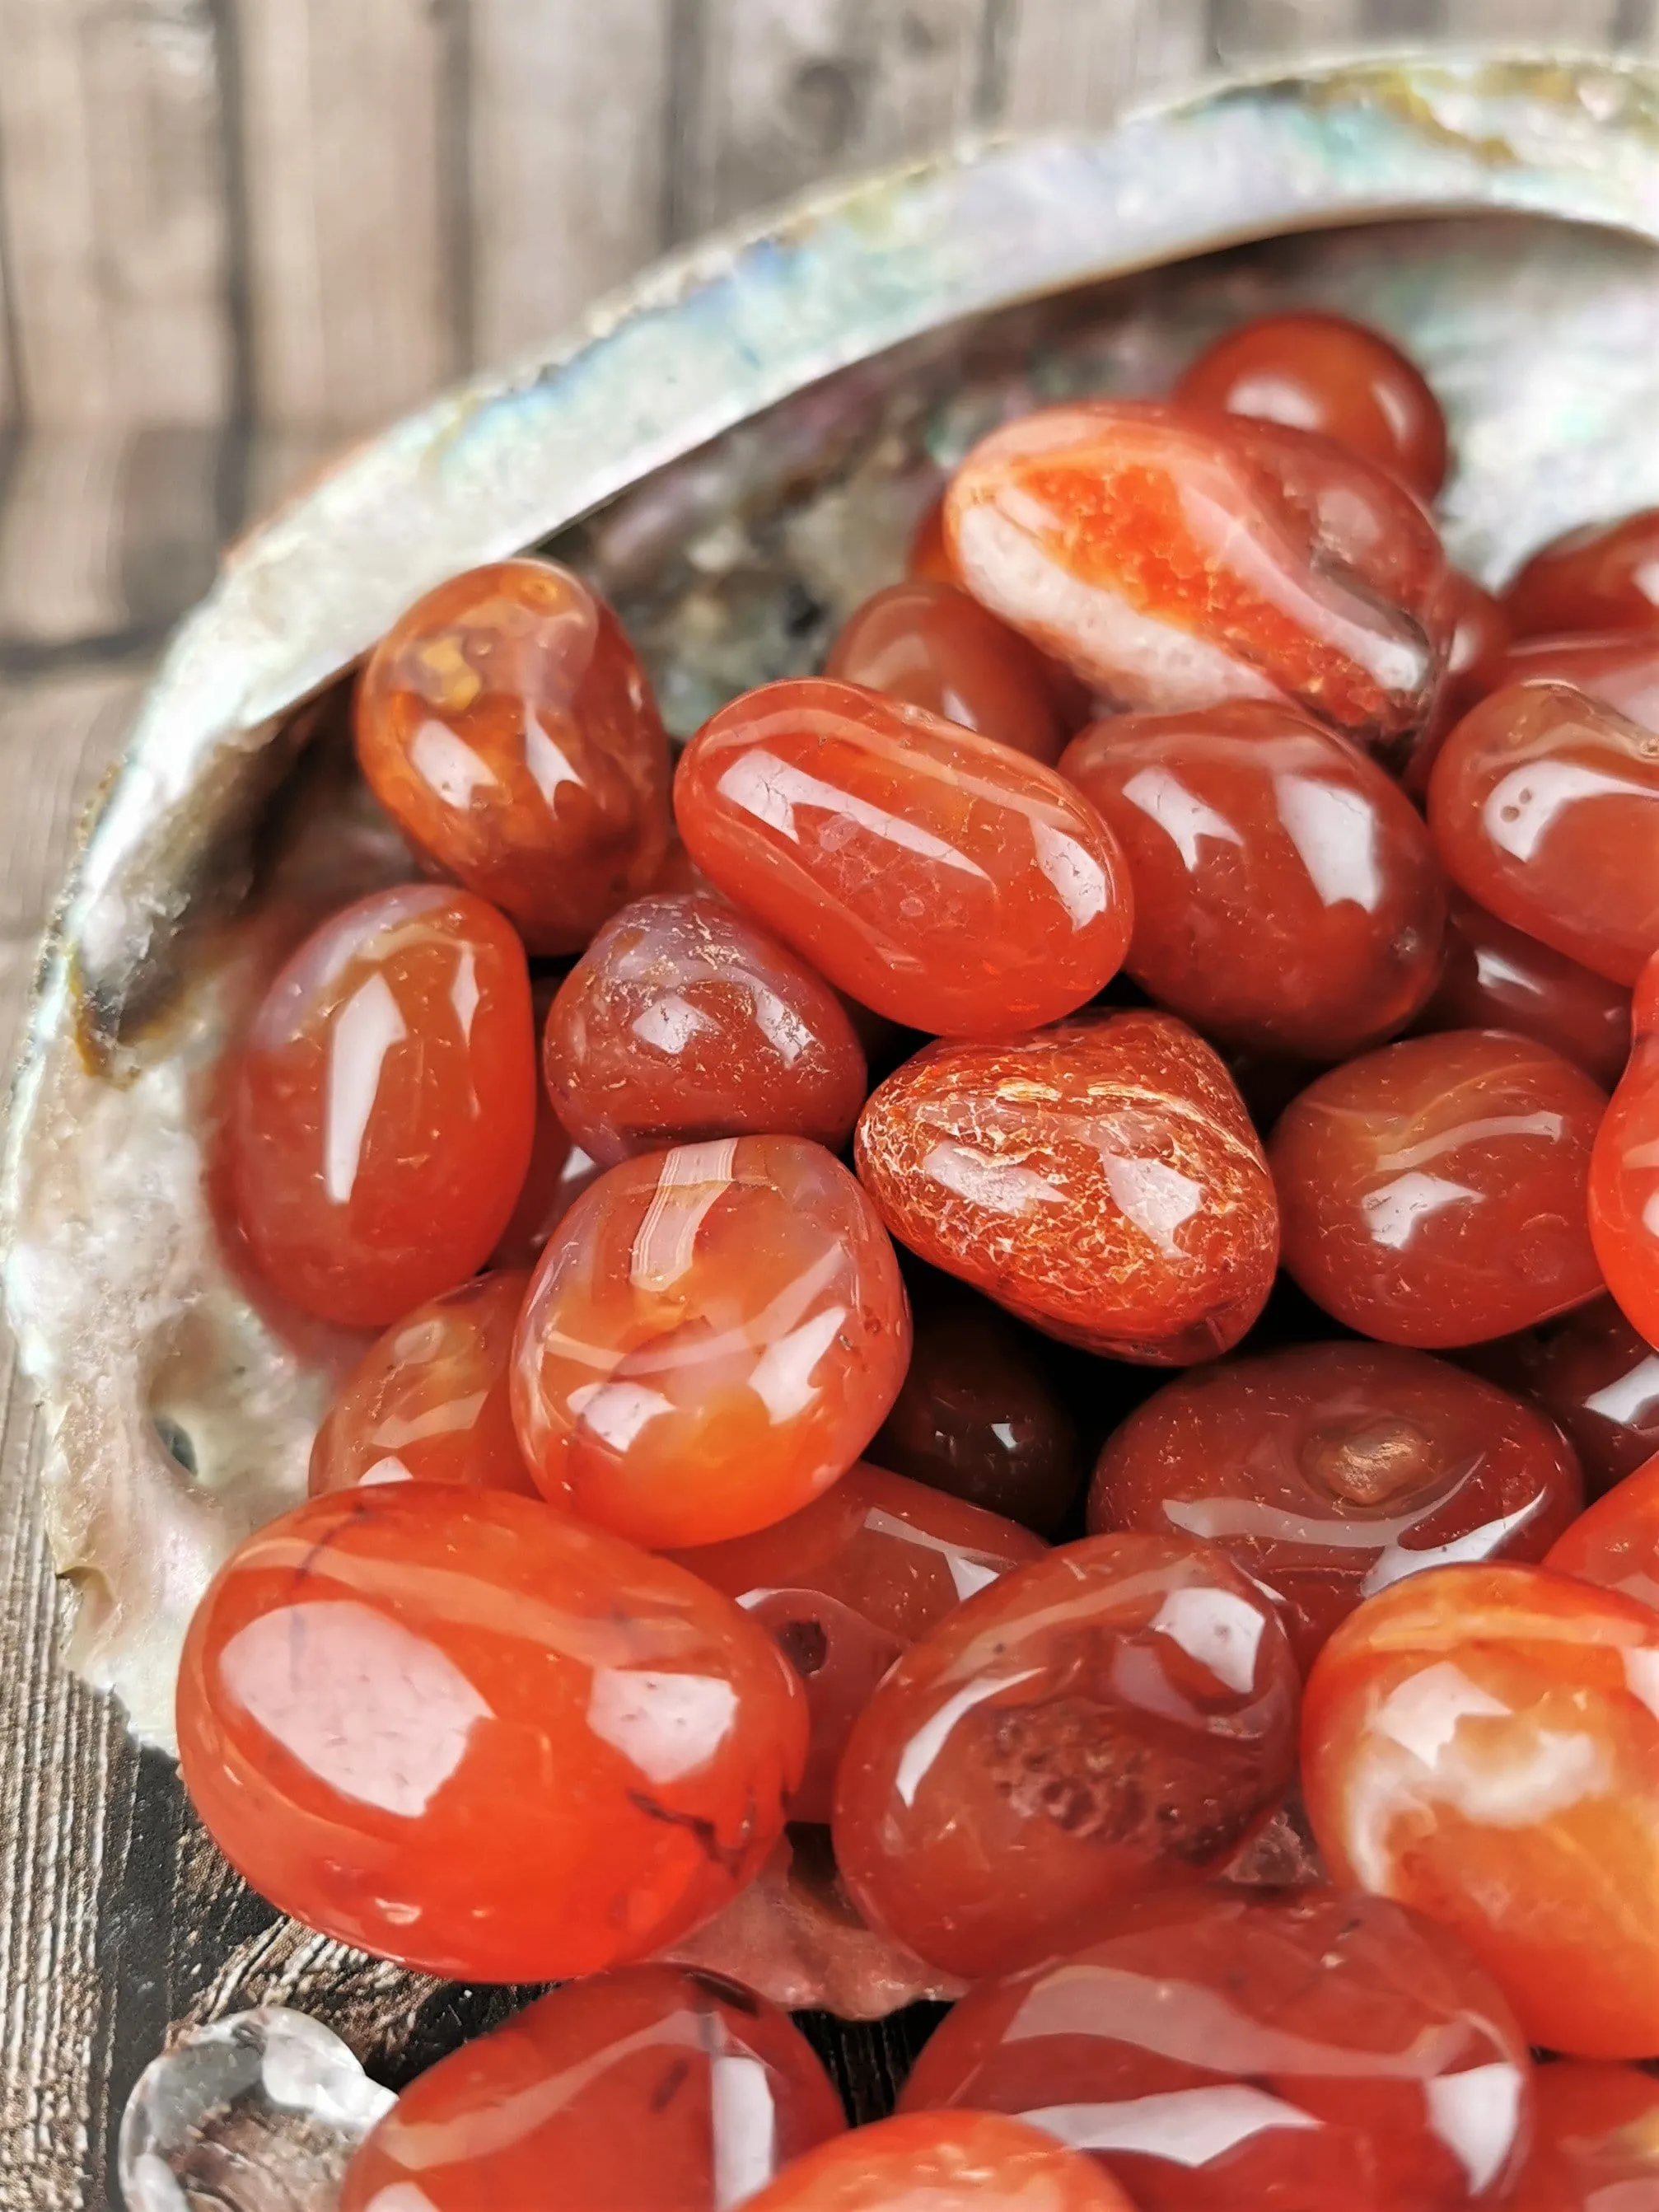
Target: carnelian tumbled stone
{"type": "Point", "coordinates": [1478, 642]}
{"type": "Point", "coordinates": [1324, 372]}
{"type": "Point", "coordinates": [931, 645]}
{"type": "Point", "coordinates": [1619, 667]}
{"type": "Point", "coordinates": [428, 1401]}
{"type": "Point", "coordinates": [942, 2162]}
{"type": "Point", "coordinates": [1433, 1192]}
{"type": "Point", "coordinates": [685, 1019]}
{"type": "Point", "coordinates": [507, 727]}
{"type": "Point", "coordinates": [1177, 559]}
{"type": "Point", "coordinates": [1594, 1377]}
{"type": "Point", "coordinates": [1117, 1715]}
{"type": "Point", "coordinates": [385, 1100]}
{"type": "Point", "coordinates": [1616, 1543]}
{"type": "Point", "coordinates": [1603, 575]}
{"type": "Point", "coordinates": [1327, 1471]}
{"type": "Point", "coordinates": [464, 1732]}
{"type": "Point", "coordinates": [1493, 977]}
{"type": "Point", "coordinates": [713, 1334]}
{"type": "Point", "coordinates": [1219, 2051]}
{"type": "Point", "coordinates": [937, 877]}
{"type": "Point", "coordinates": [846, 1583]}
{"type": "Point", "coordinates": [1101, 1180]}
{"type": "Point", "coordinates": [1624, 1181]}
{"type": "Point", "coordinates": [1544, 807]}
{"type": "Point", "coordinates": [1286, 894]}
{"type": "Point", "coordinates": [1595, 2147]}
{"type": "Point", "coordinates": [1482, 1742]}
{"type": "Point", "coordinates": [655, 2089]}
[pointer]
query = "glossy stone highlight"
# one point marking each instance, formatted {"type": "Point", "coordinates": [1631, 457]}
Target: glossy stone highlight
{"type": "Point", "coordinates": [1601, 576]}
{"type": "Point", "coordinates": [1494, 977]}
{"type": "Point", "coordinates": [1326, 1471]}
{"type": "Point", "coordinates": [929, 644]}
{"type": "Point", "coordinates": [1222, 2051]}
{"type": "Point", "coordinates": [1596, 2147]}
{"type": "Point", "coordinates": [1176, 559]}
{"type": "Point", "coordinates": [1477, 662]}
{"type": "Point", "coordinates": [1119, 1715]}
{"type": "Point", "coordinates": [1624, 1181]}
{"type": "Point", "coordinates": [1324, 373]}
{"type": "Point", "coordinates": [686, 1020]}
{"type": "Point", "coordinates": [1620, 668]}
{"type": "Point", "coordinates": [1286, 894]}
{"type": "Point", "coordinates": [506, 727]}
{"type": "Point", "coordinates": [1482, 1742]}
{"type": "Point", "coordinates": [1616, 1543]}
{"type": "Point", "coordinates": [464, 1732]}
{"type": "Point", "coordinates": [654, 2088]}
{"type": "Point", "coordinates": [1102, 1180]}
{"type": "Point", "coordinates": [1544, 808]}
{"type": "Point", "coordinates": [935, 875]}
{"type": "Point", "coordinates": [942, 2162]}
{"type": "Point", "coordinates": [848, 1582]}
{"type": "Point", "coordinates": [713, 1334]}
{"type": "Point", "coordinates": [1433, 1192]}
{"type": "Point", "coordinates": [427, 1401]}
{"type": "Point", "coordinates": [1597, 1378]}
{"type": "Point", "coordinates": [383, 1104]}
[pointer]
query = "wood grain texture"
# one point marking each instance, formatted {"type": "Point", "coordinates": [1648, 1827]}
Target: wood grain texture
{"type": "Point", "coordinates": [1063, 65]}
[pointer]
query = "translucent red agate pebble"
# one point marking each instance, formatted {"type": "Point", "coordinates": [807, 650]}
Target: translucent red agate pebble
{"type": "Point", "coordinates": [1544, 807]}
{"type": "Point", "coordinates": [1601, 576]}
{"type": "Point", "coordinates": [846, 1583]}
{"type": "Point", "coordinates": [684, 1020]}
{"type": "Point", "coordinates": [385, 1099]}
{"type": "Point", "coordinates": [1495, 977]}
{"type": "Point", "coordinates": [1102, 1180]}
{"type": "Point", "coordinates": [940, 879]}
{"type": "Point", "coordinates": [942, 2162]}
{"type": "Point", "coordinates": [1433, 1192]}
{"type": "Point", "coordinates": [655, 2089]}
{"type": "Point", "coordinates": [1483, 1742]}
{"type": "Point", "coordinates": [506, 727]}
{"type": "Point", "coordinates": [1221, 2052]}
{"type": "Point", "coordinates": [1286, 894]}
{"type": "Point", "coordinates": [1177, 559]}
{"type": "Point", "coordinates": [1616, 1543]}
{"type": "Point", "coordinates": [1594, 1377]}
{"type": "Point", "coordinates": [713, 1334]}
{"type": "Point", "coordinates": [1477, 646]}
{"type": "Point", "coordinates": [1329, 1471]}
{"type": "Point", "coordinates": [1620, 668]}
{"type": "Point", "coordinates": [1117, 1715]}
{"type": "Point", "coordinates": [1596, 2147]}
{"type": "Point", "coordinates": [428, 1401]}
{"type": "Point", "coordinates": [1624, 1181]}
{"type": "Point", "coordinates": [1324, 372]}
{"type": "Point", "coordinates": [926, 642]}
{"type": "Point", "coordinates": [461, 1731]}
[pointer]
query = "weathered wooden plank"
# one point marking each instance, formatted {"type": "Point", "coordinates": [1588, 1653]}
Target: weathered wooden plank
{"type": "Point", "coordinates": [1244, 33]}
{"type": "Point", "coordinates": [1060, 64]}
{"type": "Point", "coordinates": [1590, 23]}
{"type": "Point", "coordinates": [567, 139]}
{"type": "Point", "coordinates": [351, 311]}
{"type": "Point", "coordinates": [60, 535]}
{"type": "Point", "coordinates": [114, 196]}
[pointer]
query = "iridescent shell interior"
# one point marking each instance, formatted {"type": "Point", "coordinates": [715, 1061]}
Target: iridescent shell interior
{"type": "Point", "coordinates": [735, 453]}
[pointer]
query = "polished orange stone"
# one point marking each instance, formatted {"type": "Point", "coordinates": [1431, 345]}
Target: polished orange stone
{"type": "Point", "coordinates": [1619, 668]}
{"type": "Point", "coordinates": [1433, 1192]}
{"type": "Point", "coordinates": [559, 1172]}
{"type": "Point", "coordinates": [428, 1401]}
{"type": "Point", "coordinates": [1102, 1180]}
{"type": "Point", "coordinates": [931, 645]}
{"type": "Point", "coordinates": [384, 1104]}
{"type": "Point", "coordinates": [1324, 372]}
{"type": "Point", "coordinates": [1601, 576]}
{"type": "Point", "coordinates": [1493, 976]}
{"type": "Point", "coordinates": [1596, 1378]}
{"type": "Point", "coordinates": [464, 1732]}
{"type": "Point", "coordinates": [1117, 1716]}
{"type": "Point", "coordinates": [928, 555]}
{"type": "Point", "coordinates": [652, 2089]}
{"type": "Point", "coordinates": [1624, 1181]}
{"type": "Point", "coordinates": [1326, 1471]}
{"type": "Point", "coordinates": [506, 727]}
{"type": "Point", "coordinates": [1175, 558]}
{"type": "Point", "coordinates": [942, 2162]}
{"type": "Point", "coordinates": [1224, 2052]}
{"type": "Point", "coordinates": [1596, 2144]}
{"type": "Point", "coordinates": [1477, 662]}
{"type": "Point", "coordinates": [713, 1334]}
{"type": "Point", "coordinates": [1616, 1543]}
{"type": "Point", "coordinates": [1286, 894]}
{"type": "Point", "coordinates": [1482, 1742]}
{"type": "Point", "coordinates": [846, 1583]}
{"type": "Point", "coordinates": [1544, 808]}
{"type": "Point", "coordinates": [685, 1019]}
{"type": "Point", "coordinates": [941, 878]}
